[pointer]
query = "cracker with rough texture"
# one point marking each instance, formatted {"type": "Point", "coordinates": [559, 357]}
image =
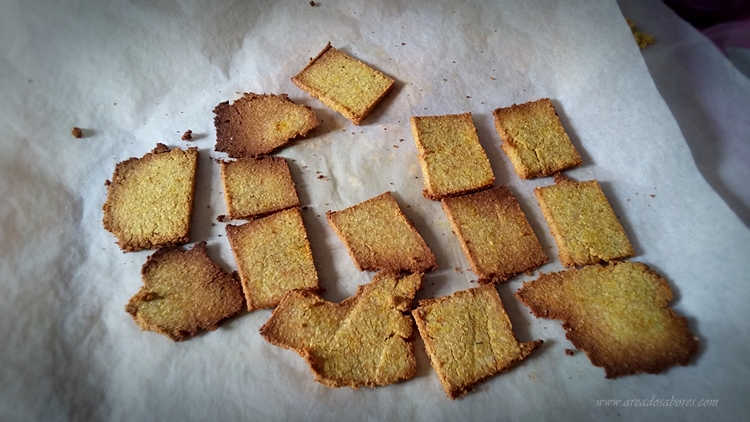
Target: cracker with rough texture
{"type": "Point", "coordinates": [452, 159]}
{"type": "Point", "coordinates": [469, 338]}
{"type": "Point", "coordinates": [260, 124]}
{"type": "Point", "coordinates": [582, 222]}
{"type": "Point", "coordinates": [494, 233]}
{"type": "Point", "coordinates": [150, 199]}
{"type": "Point", "coordinates": [363, 341]}
{"type": "Point", "coordinates": [380, 237]}
{"type": "Point", "coordinates": [273, 257]}
{"type": "Point", "coordinates": [618, 315]}
{"type": "Point", "coordinates": [343, 83]}
{"type": "Point", "coordinates": [534, 140]}
{"type": "Point", "coordinates": [183, 292]}
{"type": "Point", "coordinates": [254, 187]}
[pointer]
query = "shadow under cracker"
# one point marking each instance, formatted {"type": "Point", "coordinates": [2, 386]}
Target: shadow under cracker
{"type": "Point", "coordinates": [382, 106]}
{"type": "Point", "coordinates": [202, 216]}
{"type": "Point", "coordinates": [615, 203]}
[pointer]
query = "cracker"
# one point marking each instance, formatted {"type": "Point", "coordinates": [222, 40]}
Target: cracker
{"type": "Point", "coordinates": [494, 233]}
{"type": "Point", "coordinates": [183, 292]}
{"type": "Point", "coordinates": [363, 341]}
{"type": "Point", "coordinates": [618, 315]}
{"type": "Point", "coordinates": [260, 124]}
{"type": "Point", "coordinates": [273, 257]}
{"type": "Point", "coordinates": [469, 338]}
{"type": "Point", "coordinates": [582, 222]}
{"type": "Point", "coordinates": [379, 236]}
{"type": "Point", "coordinates": [452, 160]}
{"type": "Point", "coordinates": [150, 199]}
{"type": "Point", "coordinates": [534, 140]}
{"type": "Point", "coordinates": [343, 83]}
{"type": "Point", "coordinates": [254, 187]}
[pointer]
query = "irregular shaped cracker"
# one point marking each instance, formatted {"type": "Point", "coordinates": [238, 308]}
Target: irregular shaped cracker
{"type": "Point", "coordinates": [452, 159]}
{"type": "Point", "coordinates": [534, 140]}
{"type": "Point", "coordinates": [618, 315]}
{"type": "Point", "coordinates": [273, 257]}
{"type": "Point", "coordinates": [343, 83]}
{"type": "Point", "coordinates": [260, 124]}
{"type": "Point", "coordinates": [378, 236]}
{"type": "Point", "coordinates": [150, 199]}
{"type": "Point", "coordinates": [469, 338]}
{"type": "Point", "coordinates": [184, 291]}
{"type": "Point", "coordinates": [255, 187]}
{"type": "Point", "coordinates": [494, 233]}
{"type": "Point", "coordinates": [582, 222]}
{"type": "Point", "coordinates": [363, 341]}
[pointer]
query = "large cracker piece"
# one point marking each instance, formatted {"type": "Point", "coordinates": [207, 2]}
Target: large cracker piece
{"type": "Point", "coordinates": [380, 237]}
{"type": "Point", "coordinates": [257, 124]}
{"type": "Point", "coordinates": [582, 222]}
{"type": "Point", "coordinates": [363, 341]}
{"type": "Point", "coordinates": [617, 314]}
{"type": "Point", "coordinates": [343, 83]}
{"type": "Point", "coordinates": [452, 159]}
{"type": "Point", "coordinates": [255, 187]}
{"type": "Point", "coordinates": [273, 257]}
{"type": "Point", "coordinates": [469, 338]}
{"type": "Point", "coordinates": [494, 233]}
{"type": "Point", "coordinates": [183, 292]}
{"type": "Point", "coordinates": [534, 140]}
{"type": "Point", "coordinates": [150, 199]}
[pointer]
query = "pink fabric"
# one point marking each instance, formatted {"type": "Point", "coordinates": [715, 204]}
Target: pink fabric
{"type": "Point", "coordinates": [730, 34]}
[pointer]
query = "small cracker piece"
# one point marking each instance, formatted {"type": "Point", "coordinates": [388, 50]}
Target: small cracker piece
{"type": "Point", "coordinates": [469, 338]}
{"type": "Point", "coordinates": [534, 140]}
{"type": "Point", "coordinates": [273, 257]}
{"type": "Point", "coordinates": [150, 199]}
{"type": "Point", "coordinates": [260, 124]}
{"type": "Point", "coordinates": [183, 292]}
{"type": "Point", "coordinates": [380, 237]}
{"type": "Point", "coordinates": [363, 341]}
{"type": "Point", "coordinates": [254, 187]}
{"type": "Point", "coordinates": [582, 222]}
{"type": "Point", "coordinates": [343, 83]}
{"type": "Point", "coordinates": [494, 233]}
{"type": "Point", "coordinates": [618, 315]}
{"type": "Point", "coordinates": [452, 159]}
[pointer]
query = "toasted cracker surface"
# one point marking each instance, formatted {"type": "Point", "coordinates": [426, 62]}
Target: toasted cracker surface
{"type": "Point", "coordinates": [183, 292]}
{"type": "Point", "coordinates": [469, 338]}
{"type": "Point", "coordinates": [254, 187]}
{"type": "Point", "coordinates": [257, 124]}
{"type": "Point", "coordinates": [618, 315]}
{"type": "Point", "coordinates": [150, 199]}
{"type": "Point", "coordinates": [379, 236]}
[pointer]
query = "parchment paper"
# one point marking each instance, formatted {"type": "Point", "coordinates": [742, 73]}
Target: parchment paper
{"type": "Point", "coordinates": [136, 73]}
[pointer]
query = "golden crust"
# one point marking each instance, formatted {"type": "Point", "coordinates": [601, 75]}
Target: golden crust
{"type": "Point", "coordinates": [343, 83]}
{"type": "Point", "coordinates": [273, 257]}
{"type": "Point", "coordinates": [260, 124]}
{"type": "Point", "coordinates": [363, 341]}
{"type": "Point", "coordinates": [618, 315]}
{"type": "Point", "coordinates": [150, 199]}
{"type": "Point", "coordinates": [255, 187]}
{"type": "Point", "coordinates": [494, 234]}
{"type": "Point", "coordinates": [469, 338]}
{"type": "Point", "coordinates": [184, 291]}
{"type": "Point", "coordinates": [534, 140]}
{"type": "Point", "coordinates": [582, 222]}
{"type": "Point", "coordinates": [452, 159]}
{"type": "Point", "coordinates": [378, 236]}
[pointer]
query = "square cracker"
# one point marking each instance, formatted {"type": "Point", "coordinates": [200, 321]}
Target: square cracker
{"type": "Point", "coordinates": [534, 140]}
{"type": "Point", "coordinates": [469, 337]}
{"type": "Point", "coordinates": [254, 187]}
{"type": "Point", "coordinates": [273, 257]}
{"type": "Point", "coordinates": [380, 237]}
{"type": "Point", "coordinates": [343, 83]}
{"type": "Point", "coordinates": [582, 222]}
{"type": "Point", "coordinates": [494, 234]}
{"type": "Point", "coordinates": [452, 159]}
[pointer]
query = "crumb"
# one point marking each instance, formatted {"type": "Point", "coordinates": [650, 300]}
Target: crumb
{"type": "Point", "coordinates": [77, 132]}
{"type": "Point", "coordinates": [221, 218]}
{"type": "Point", "coordinates": [305, 208]}
{"type": "Point", "coordinates": [457, 269]}
{"type": "Point", "coordinates": [107, 183]}
{"type": "Point", "coordinates": [653, 196]}
{"type": "Point", "coordinates": [642, 39]}
{"type": "Point", "coordinates": [396, 146]}
{"type": "Point", "coordinates": [569, 352]}
{"type": "Point", "coordinates": [312, 3]}
{"type": "Point", "coordinates": [491, 78]}
{"type": "Point", "coordinates": [321, 177]}
{"type": "Point", "coordinates": [187, 136]}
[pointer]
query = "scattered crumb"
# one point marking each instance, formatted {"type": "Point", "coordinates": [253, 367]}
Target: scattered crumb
{"type": "Point", "coordinates": [396, 146]}
{"type": "Point", "coordinates": [77, 132]}
{"type": "Point", "coordinates": [312, 3]}
{"type": "Point", "coordinates": [491, 78]}
{"type": "Point", "coordinates": [458, 270]}
{"type": "Point", "coordinates": [569, 352]}
{"type": "Point", "coordinates": [107, 183]}
{"type": "Point", "coordinates": [642, 39]}
{"type": "Point", "coordinates": [653, 196]}
{"type": "Point", "coordinates": [468, 96]}
{"type": "Point", "coordinates": [221, 218]}
{"type": "Point", "coordinates": [187, 136]}
{"type": "Point", "coordinates": [304, 208]}
{"type": "Point", "coordinates": [401, 140]}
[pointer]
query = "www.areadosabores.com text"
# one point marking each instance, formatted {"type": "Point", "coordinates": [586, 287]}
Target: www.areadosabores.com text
{"type": "Point", "coordinates": [654, 402]}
